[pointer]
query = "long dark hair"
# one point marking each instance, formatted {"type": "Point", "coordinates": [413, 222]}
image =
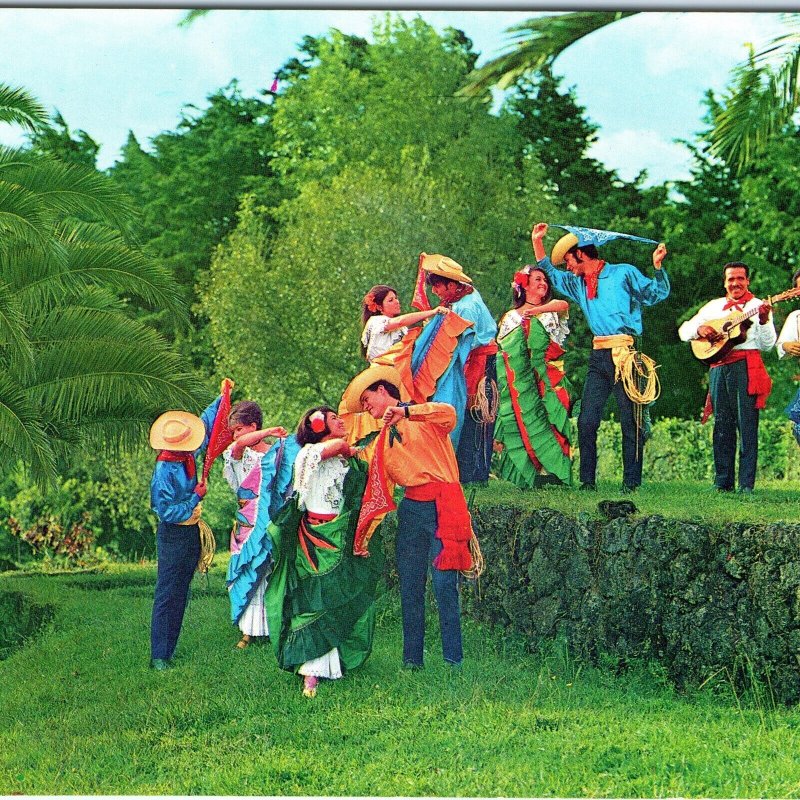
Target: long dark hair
{"type": "Point", "coordinates": [305, 434]}
{"type": "Point", "coordinates": [374, 297]}
{"type": "Point", "coordinates": [518, 292]}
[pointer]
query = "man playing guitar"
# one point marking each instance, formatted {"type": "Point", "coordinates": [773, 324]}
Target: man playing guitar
{"type": "Point", "coordinates": [738, 382]}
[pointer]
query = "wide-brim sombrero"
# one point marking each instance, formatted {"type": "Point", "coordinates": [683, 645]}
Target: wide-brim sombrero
{"type": "Point", "coordinates": [438, 264]}
{"type": "Point", "coordinates": [564, 244]}
{"type": "Point", "coordinates": [177, 430]}
{"type": "Point", "coordinates": [351, 398]}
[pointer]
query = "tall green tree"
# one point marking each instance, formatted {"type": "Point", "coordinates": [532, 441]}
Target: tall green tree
{"type": "Point", "coordinates": [76, 368]}
{"type": "Point", "coordinates": [383, 162]}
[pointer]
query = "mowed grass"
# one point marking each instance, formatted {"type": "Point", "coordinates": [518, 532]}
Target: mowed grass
{"type": "Point", "coordinates": [82, 714]}
{"type": "Point", "coordinates": [697, 501]}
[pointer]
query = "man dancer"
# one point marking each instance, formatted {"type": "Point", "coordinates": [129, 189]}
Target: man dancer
{"type": "Point", "coordinates": [434, 526]}
{"type": "Point", "coordinates": [738, 382]}
{"type": "Point", "coordinates": [611, 297]}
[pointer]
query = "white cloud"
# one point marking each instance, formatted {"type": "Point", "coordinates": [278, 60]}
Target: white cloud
{"type": "Point", "coordinates": [630, 151]}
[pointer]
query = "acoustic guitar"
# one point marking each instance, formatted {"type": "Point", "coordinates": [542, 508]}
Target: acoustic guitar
{"type": "Point", "coordinates": [732, 330]}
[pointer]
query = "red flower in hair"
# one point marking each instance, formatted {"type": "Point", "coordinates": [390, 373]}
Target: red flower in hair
{"type": "Point", "coordinates": [317, 422]}
{"type": "Point", "coordinates": [369, 302]}
{"type": "Point", "coordinates": [521, 279]}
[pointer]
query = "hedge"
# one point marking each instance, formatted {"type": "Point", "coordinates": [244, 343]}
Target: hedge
{"type": "Point", "coordinates": [699, 601]}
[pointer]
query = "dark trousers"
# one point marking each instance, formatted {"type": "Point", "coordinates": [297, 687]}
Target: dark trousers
{"type": "Point", "coordinates": [474, 451]}
{"type": "Point", "coordinates": [416, 547]}
{"type": "Point", "coordinates": [599, 385]}
{"type": "Point", "coordinates": [734, 410]}
{"type": "Point", "coordinates": [178, 554]}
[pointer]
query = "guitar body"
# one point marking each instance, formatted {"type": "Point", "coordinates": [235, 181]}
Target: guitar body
{"type": "Point", "coordinates": [732, 334]}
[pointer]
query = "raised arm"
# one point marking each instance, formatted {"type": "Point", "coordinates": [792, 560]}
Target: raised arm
{"type": "Point", "coordinates": [405, 320]}
{"type": "Point", "coordinates": [537, 234]}
{"type": "Point", "coordinates": [253, 438]}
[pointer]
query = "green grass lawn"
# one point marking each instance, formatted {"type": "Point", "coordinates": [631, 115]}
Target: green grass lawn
{"type": "Point", "coordinates": [772, 501]}
{"type": "Point", "coordinates": [82, 714]}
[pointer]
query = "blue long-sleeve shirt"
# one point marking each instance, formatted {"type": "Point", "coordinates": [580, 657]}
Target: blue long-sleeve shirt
{"type": "Point", "coordinates": [622, 292]}
{"type": "Point", "coordinates": [172, 495]}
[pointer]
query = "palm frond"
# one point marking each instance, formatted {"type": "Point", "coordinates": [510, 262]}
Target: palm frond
{"type": "Point", "coordinates": [22, 431]}
{"type": "Point", "coordinates": [22, 217]}
{"type": "Point", "coordinates": [90, 256]}
{"type": "Point", "coordinates": [69, 189]}
{"type": "Point", "coordinates": [764, 98]}
{"type": "Point", "coordinates": [20, 108]}
{"type": "Point", "coordinates": [748, 116]}
{"type": "Point", "coordinates": [535, 43]}
{"type": "Point", "coordinates": [192, 15]}
{"type": "Point", "coordinates": [14, 333]}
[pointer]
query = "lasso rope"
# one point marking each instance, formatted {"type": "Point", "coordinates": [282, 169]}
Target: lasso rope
{"type": "Point", "coordinates": [640, 382]}
{"type": "Point", "coordinates": [208, 547]}
{"type": "Point", "coordinates": [483, 409]}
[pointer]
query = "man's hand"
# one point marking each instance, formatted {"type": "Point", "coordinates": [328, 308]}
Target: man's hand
{"type": "Point", "coordinates": [792, 348]}
{"type": "Point", "coordinates": [763, 313]}
{"type": "Point", "coordinates": [393, 415]}
{"type": "Point", "coordinates": [709, 334]}
{"type": "Point", "coordinates": [201, 489]}
{"type": "Point", "coordinates": [539, 231]}
{"type": "Point", "coordinates": [658, 255]}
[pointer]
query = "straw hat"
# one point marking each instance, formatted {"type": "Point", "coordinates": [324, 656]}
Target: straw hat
{"type": "Point", "coordinates": [177, 430]}
{"type": "Point", "coordinates": [351, 399]}
{"type": "Point", "coordinates": [565, 243]}
{"type": "Point", "coordinates": [442, 265]}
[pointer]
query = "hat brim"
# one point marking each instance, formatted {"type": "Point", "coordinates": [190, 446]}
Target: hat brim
{"type": "Point", "coordinates": [564, 244]}
{"type": "Point", "coordinates": [351, 399]}
{"type": "Point", "coordinates": [438, 264]}
{"type": "Point", "coordinates": [189, 444]}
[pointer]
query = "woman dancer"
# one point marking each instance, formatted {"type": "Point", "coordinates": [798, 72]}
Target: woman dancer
{"type": "Point", "coordinates": [260, 475]}
{"type": "Point", "coordinates": [533, 418]}
{"type": "Point", "coordinates": [384, 326]}
{"type": "Point", "coordinates": [789, 344]}
{"type": "Point", "coordinates": [320, 598]}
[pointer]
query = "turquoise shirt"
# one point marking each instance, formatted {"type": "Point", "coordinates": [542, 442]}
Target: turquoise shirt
{"type": "Point", "coordinates": [622, 292]}
{"type": "Point", "coordinates": [172, 494]}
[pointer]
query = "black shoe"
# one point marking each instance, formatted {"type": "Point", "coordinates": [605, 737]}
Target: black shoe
{"type": "Point", "coordinates": [587, 487]}
{"type": "Point", "coordinates": [160, 664]}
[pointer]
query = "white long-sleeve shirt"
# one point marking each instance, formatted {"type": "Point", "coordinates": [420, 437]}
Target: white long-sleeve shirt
{"type": "Point", "coordinates": [790, 332]}
{"type": "Point", "coordinates": [758, 337]}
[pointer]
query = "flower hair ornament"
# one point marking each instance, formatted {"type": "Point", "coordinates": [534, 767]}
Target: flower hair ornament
{"type": "Point", "coordinates": [521, 279]}
{"type": "Point", "coordinates": [317, 422]}
{"type": "Point", "coordinates": [370, 304]}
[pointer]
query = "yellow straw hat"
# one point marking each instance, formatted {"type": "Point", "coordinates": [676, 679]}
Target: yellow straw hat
{"type": "Point", "coordinates": [442, 265]}
{"type": "Point", "coordinates": [177, 430]}
{"type": "Point", "coordinates": [565, 243]}
{"type": "Point", "coordinates": [351, 399]}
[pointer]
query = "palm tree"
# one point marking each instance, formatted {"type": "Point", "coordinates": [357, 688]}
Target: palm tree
{"type": "Point", "coordinates": [76, 367]}
{"type": "Point", "coordinates": [764, 97]}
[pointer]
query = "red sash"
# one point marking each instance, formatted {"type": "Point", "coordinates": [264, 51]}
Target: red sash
{"type": "Point", "coordinates": [453, 522]}
{"type": "Point", "coordinates": [759, 382]}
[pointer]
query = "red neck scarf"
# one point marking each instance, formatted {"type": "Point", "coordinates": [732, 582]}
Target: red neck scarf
{"type": "Point", "coordinates": [590, 273]}
{"type": "Point", "coordinates": [187, 459]}
{"type": "Point", "coordinates": [740, 303]}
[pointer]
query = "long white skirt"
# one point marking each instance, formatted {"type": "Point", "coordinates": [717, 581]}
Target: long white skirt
{"type": "Point", "coordinates": [326, 666]}
{"type": "Point", "coordinates": [253, 621]}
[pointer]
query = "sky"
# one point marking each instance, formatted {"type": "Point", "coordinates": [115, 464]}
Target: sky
{"type": "Point", "coordinates": [112, 70]}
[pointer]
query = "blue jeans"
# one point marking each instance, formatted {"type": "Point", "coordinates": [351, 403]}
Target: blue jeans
{"type": "Point", "coordinates": [178, 554]}
{"type": "Point", "coordinates": [415, 549]}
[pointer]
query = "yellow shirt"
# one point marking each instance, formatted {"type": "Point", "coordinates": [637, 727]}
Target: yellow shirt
{"type": "Point", "coordinates": [425, 454]}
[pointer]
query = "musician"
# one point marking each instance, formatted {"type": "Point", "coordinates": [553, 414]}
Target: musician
{"type": "Point", "coordinates": [738, 382]}
{"type": "Point", "coordinates": [789, 344]}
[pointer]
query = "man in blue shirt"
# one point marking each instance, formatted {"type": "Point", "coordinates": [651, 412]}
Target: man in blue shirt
{"type": "Point", "coordinates": [611, 296]}
{"type": "Point", "coordinates": [175, 498]}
